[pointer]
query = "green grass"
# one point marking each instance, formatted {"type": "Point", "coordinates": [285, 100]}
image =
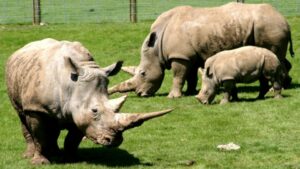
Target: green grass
{"type": "Point", "coordinates": [268, 131]}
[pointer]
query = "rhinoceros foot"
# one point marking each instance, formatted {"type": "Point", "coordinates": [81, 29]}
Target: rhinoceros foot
{"type": "Point", "coordinates": [39, 159]}
{"type": "Point", "coordinates": [174, 94]}
{"type": "Point", "coordinates": [29, 152]}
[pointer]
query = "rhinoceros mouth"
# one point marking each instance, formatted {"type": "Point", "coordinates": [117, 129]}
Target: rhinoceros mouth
{"type": "Point", "coordinates": [109, 141]}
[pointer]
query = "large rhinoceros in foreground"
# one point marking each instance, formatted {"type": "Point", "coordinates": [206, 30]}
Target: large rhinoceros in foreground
{"type": "Point", "coordinates": [57, 85]}
{"type": "Point", "coordinates": [182, 39]}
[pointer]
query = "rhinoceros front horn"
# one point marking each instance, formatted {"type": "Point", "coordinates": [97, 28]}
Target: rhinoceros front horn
{"type": "Point", "coordinates": [126, 86]}
{"type": "Point", "coordinates": [130, 120]}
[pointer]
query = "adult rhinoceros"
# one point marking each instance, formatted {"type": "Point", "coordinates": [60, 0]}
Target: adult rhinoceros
{"type": "Point", "coordinates": [57, 85]}
{"type": "Point", "coordinates": [182, 39]}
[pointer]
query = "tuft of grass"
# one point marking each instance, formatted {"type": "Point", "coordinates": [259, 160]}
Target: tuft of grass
{"type": "Point", "coordinates": [267, 130]}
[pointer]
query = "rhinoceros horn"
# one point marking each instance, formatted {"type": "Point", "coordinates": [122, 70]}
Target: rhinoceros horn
{"type": "Point", "coordinates": [116, 104]}
{"type": "Point", "coordinates": [130, 120]}
{"type": "Point", "coordinates": [126, 86]}
{"type": "Point", "coordinates": [130, 69]}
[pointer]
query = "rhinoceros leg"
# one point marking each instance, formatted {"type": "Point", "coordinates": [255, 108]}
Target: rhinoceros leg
{"type": "Point", "coordinates": [234, 94]}
{"type": "Point", "coordinates": [180, 69]}
{"type": "Point", "coordinates": [44, 131]}
{"type": "Point", "coordinates": [287, 67]}
{"type": "Point", "coordinates": [229, 88]}
{"type": "Point", "coordinates": [192, 79]}
{"type": "Point", "coordinates": [71, 143]}
{"type": "Point", "coordinates": [263, 88]}
{"type": "Point", "coordinates": [30, 147]}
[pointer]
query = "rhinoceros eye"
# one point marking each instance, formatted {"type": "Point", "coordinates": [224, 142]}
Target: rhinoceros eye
{"type": "Point", "coordinates": [143, 73]}
{"type": "Point", "coordinates": [96, 114]}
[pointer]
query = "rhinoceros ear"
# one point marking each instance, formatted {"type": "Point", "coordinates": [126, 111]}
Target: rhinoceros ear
{"type": "Point", "coordinates": [74, 67]}
{"type": "Point", "coordinates": [152, 39]}
{"type": "Point", "coordinates": [208, 73]}
{"type": "Point", "coordinates": [113, 69]}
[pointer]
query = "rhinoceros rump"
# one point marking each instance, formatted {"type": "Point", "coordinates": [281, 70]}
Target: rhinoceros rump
{"type": "Point", "coordinates": [55, 85]}
{"type": "Point", "coordinates": [183, 38]}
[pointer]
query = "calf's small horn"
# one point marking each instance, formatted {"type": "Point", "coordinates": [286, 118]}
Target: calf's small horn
{"type": "Point", "coordinates": [130, 120]}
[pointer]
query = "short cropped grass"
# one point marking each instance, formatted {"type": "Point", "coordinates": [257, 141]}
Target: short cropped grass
{"type": "Point", "coordinates": [268, 131]}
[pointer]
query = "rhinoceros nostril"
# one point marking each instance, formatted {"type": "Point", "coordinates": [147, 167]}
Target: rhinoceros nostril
{"type": "Point", "coordinates": [94, 110]}
{"type": "Point", "coordinates": [107, 139]}
{"type": "Point", "coordinates": [139, 93]}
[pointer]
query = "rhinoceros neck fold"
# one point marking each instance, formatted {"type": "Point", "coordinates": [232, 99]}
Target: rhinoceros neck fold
{"type": "Point", "coordinates": [162, 58]}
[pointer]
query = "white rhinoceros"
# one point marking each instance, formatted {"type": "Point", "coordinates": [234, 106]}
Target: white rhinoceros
{"type": "Point", "coordinates": [242, 65]}
{"type": "Point", "coordinates": [55, 85]}
{"type": "Point", "coordinates": [183, 38]}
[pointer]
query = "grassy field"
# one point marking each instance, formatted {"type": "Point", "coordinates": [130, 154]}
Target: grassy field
{"type": "Point", "coordinates": [268, 131]}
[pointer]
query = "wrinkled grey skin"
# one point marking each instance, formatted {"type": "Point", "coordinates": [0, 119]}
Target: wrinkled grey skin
{"type": "Point", "coordinates": [183, 38]}
{"type": "Point", "coordinates": [241, 65]}
{"type": "Point", "coordinates": [57, 85]}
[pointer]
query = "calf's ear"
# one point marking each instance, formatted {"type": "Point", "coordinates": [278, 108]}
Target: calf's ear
{"type": "Point", "coordinates": [208, 73]}
{"type": "Point", "coordinates": [113, 69]}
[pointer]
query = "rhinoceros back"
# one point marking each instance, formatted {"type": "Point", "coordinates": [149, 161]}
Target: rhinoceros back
{"type": "Point", "coordinates": [36, 75]}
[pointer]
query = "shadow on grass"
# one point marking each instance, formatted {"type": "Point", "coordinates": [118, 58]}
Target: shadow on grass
{"type": "Point", "coordinates": [112, 157]}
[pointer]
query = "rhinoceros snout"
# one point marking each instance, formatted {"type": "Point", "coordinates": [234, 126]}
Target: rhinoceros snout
{"type": "Point", "coordinates": [110, 141]}
{"type": "Point", "coordinates": [143, 94]}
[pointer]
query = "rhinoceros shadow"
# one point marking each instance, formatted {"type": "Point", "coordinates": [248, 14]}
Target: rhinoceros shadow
{"type": "Point", "coordinates": [112, 157]}
{"type": "Point", "coordinates": [107, 156]}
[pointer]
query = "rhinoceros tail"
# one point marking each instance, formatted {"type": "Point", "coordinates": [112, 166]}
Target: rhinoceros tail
{"type": "Point", "coordinates": [292, 53]}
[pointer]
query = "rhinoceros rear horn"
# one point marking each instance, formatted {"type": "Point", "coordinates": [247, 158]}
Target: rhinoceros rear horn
{"type": "Point", "coordinates": [130, 120]}
{"type": "Point", "coordinates": [129, 69]}
{"type": "Point", "coordinates": [126, 86]}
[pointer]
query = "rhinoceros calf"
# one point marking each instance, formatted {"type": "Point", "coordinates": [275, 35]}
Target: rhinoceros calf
{"type": "Point", "coordinates": [242, 65]}
{"type": "Point", "coordinates": [182, 39]}
{"type": "Point", "coordinates": [55, 85]}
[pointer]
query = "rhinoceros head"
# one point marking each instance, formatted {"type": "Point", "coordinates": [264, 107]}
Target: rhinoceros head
{"type": "Point", "coordinates": [93, 113]}
{"type": "Point", "coordinates": [148, 76]}
{"type": "Point", "coordinates": [208, 87]}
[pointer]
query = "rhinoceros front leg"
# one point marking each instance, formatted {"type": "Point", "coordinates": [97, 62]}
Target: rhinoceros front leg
{"type": "Point", "coordinates": [71, 143]}
{"type": "Point", "coordinates": [40, 136]}
{"type": "Point", "coordinates": [229, 90]}
{"type": "Point", "coordinates": [180, 69]}
{"type": "Point", "coordinates": [263, 88]}
{"type": "Point", "coordinates": [30, 147]}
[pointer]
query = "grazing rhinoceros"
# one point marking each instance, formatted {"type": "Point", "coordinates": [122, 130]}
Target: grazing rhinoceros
{"type": "Point", "coordinates": [182, 39]}
{"type": "Point", "coordinates": [242, 65]}
{"type": "Point", "coordinates": [55, 85]}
